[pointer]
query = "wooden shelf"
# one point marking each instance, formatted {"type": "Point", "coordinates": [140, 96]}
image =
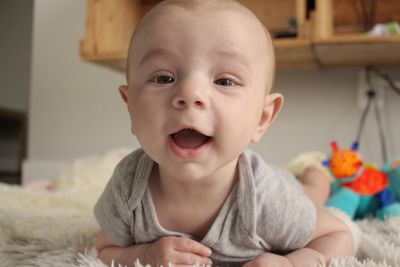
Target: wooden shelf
{"type": "Point", "coordinates": [109, 24]}
{"type": "Point", "coordinates": [357, 50]}
{"type": "Point", "coordinates": [290, 54]}
{"type": "Point", "coordinates": [294, 54]}
{"type": "Point", "coordinates": [114, 59]}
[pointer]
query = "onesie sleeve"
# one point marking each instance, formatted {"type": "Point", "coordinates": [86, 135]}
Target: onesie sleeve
{"type": "Point", "coordinates": [286, 216]}
{"type": "Point", "coordinates": [112, 211]}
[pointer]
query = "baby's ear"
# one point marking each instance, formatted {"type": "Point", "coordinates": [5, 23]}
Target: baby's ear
{"type": "Point", "coordinates": [123, 91]}
{"type": "Point", "coordinates": [272, 105]}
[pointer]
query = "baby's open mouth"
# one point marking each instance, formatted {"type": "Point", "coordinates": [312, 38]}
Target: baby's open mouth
{"type": "Point", "coordinates": [190, 138]}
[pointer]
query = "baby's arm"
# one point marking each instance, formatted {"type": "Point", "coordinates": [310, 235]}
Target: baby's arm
{"type": "Point", "coordinates": [331, 238]}
{"type": "Point", "coordinates": [178, 250]}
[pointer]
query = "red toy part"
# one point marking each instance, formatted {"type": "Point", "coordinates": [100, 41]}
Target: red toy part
{"type": "Point", "coordinates": [370, 182]}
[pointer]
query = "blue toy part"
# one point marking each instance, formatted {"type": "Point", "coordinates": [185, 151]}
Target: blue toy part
{"type": "Point", "coordinates": [346, 200]}
{"type": "Point", "coordinates": [394, 178]}
{"type": "Point", "coordinates": [355, 205]}
{"type": "Point", "coordinates": [386, 198]}
{"type": "Point", "coordinates": [388, 205]}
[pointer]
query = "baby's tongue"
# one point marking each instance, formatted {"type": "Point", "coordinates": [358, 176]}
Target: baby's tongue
{"type": "Point", "coordinates": [188, 138]}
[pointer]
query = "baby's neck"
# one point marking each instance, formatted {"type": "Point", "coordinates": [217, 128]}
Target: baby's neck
{"type": "Point", "coordinates": [215, 186]}
{"type": "Point", "coordinates": [193, 206]}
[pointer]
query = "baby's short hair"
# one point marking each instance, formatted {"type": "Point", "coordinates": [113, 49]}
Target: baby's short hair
{"type": "Point", "coordinates": [205, 5]}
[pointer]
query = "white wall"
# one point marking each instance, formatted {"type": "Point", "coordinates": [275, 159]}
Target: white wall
{"type": "Point", "coordinates": [75, 108]}
{"type": "Point", "coordinates": [321, 106]}
{"type": "Point", "coordinates": [75, 105]}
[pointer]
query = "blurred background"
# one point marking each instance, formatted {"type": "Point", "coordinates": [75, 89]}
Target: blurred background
{"type": "Point", "coordinates": [56, 107]}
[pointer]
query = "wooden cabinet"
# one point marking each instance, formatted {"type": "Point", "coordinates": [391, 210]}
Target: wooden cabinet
{"type": "Point", "coordinates": [328, 34]}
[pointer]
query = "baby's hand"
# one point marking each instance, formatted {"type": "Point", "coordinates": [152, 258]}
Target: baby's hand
{"type": "Point", "coordinates": [269, 260]}
{"type": "Point", "coordinates": [179, 251]}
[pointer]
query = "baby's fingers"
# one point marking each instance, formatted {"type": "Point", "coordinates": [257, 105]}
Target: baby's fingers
{"type": "Point", "coordinates": [191, 246]}
{"type": "Point", "coordinates": [189, 259]}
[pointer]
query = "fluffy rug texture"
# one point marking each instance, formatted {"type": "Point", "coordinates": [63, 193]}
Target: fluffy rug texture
{"type": "Point", "coordinates": [57, 228]}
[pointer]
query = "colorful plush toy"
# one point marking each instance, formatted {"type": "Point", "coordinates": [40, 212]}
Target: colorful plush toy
{"type": "Point", "coordinates": [360, 189]}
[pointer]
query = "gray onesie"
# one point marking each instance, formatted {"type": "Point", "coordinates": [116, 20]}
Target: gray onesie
{"type": "Point", "coordinates": [266, 211]}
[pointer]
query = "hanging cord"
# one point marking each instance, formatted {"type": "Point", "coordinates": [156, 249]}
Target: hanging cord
{"type": "Point", "coordinates": [368, 11]}
{"type": "Point", "coordinates": [371, 94]}
{"type": "Point", "coordinates": [380, 128]}
{"type": "Point", "coordinates": [385, 77]}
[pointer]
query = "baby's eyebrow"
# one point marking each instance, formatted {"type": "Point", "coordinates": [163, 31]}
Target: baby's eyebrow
{"type": "Point", "coordinates": [233, 56]}
{"type": "Point", "coordinates": [157, 52]}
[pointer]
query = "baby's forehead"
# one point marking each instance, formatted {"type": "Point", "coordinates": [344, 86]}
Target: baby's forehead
{"type": "Point", "coordinates": [202, 10]}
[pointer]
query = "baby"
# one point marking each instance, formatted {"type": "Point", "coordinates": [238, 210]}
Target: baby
{"type": "Point", "coordinates": [200, 74]}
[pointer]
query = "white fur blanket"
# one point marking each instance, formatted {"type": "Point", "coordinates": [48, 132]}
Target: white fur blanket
{"type": "Point", "coordinates": [57, 228]}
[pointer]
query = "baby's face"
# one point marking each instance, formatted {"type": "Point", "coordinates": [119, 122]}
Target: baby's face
{"type": "Point", "coordinates": [197, 87]}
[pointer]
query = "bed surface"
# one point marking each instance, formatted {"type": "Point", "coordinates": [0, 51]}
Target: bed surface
{"type": "Point", "coordinates": [41, 227]}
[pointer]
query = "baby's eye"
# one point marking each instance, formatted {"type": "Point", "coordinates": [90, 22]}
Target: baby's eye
{"type": "Point", "coordinates": [225, 82]}
{"type": "Point", "coordinates": [162, 79]}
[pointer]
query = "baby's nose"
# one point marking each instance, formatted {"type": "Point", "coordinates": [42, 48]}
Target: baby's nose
{"type": "Point", "coordinates": [189, 97]}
